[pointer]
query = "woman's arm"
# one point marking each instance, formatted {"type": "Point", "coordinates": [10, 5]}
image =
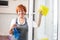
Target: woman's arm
{"type": "Point", "coordinates": [12, 25]}
{"type": "Point", "coordinates": [38, 22]}
{"type": "Point", "coordinates": [11, 28]}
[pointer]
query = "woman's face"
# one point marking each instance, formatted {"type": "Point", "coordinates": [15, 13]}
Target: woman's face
{"type": "Point", "coordinates": [21, 13]}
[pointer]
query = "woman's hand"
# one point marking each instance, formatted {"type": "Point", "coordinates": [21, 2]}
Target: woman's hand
{"type": "Point", "coordinates": [13, 26]}
{"type": "Point", "coordinates": [11, 29]}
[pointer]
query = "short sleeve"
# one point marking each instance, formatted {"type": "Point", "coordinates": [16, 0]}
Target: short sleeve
{"type": "Point", "coordinates": [13, 21]}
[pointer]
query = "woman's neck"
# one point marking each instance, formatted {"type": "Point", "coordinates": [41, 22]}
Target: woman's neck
{"type": "Point", "coordinates": [21, 17]}
{"type": "Point", "coordinates": [21, 20]}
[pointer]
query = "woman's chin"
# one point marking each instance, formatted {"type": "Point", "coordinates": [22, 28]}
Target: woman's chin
{"type": "Point", "coordinates": [21, 17]}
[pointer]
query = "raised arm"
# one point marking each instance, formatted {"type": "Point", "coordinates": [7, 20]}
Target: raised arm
{"type": "Point", "coordinates": [38, 22]}
{"type": "Point", "coordinates": [43, 10]}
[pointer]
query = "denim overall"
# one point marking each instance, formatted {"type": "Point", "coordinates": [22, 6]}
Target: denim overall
{"type": "Point", "coordinates": [23, 29]}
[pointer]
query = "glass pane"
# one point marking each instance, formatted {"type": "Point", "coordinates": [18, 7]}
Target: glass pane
{"type": "Point", "coordinates": [48, 27]}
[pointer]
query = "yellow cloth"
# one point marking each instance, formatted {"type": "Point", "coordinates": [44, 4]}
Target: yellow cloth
{"type": "Point", "coordinates": [44, 10]}
{"type": "Point", "coordinates": [44, 39]}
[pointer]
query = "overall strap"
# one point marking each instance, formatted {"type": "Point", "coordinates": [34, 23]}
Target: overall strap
{"type": "Point", "coordinates": [25, 20]}
{"type": "Point", "coordinates": [16, 21]}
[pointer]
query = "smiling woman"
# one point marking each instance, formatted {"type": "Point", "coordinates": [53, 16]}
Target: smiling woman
{"type": "Point", "coordinates": [20, 24]}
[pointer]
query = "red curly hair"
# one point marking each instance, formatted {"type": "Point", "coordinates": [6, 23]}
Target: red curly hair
{"type": "Point", "coordinates": [19, 7]}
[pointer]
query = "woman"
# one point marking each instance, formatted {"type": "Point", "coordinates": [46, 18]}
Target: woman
{"type": "Point", "coordinates": [21, 22]}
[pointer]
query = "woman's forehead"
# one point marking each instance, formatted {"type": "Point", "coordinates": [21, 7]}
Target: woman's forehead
{"type": "Point", "coordinates": [21, 9]}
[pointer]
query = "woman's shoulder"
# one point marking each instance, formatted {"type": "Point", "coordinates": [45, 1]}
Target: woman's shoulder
{"type": "Point", "coordinates": [27, 19]}
{"type": "Point", "coordinates": [13, 21]}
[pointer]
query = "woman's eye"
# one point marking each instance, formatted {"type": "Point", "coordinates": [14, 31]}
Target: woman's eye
{"type": "Point", "coordinates": [20, 12]}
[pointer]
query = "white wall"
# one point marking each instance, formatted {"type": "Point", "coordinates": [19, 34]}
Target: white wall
{"type": "Point", "coordinates": [11, 8]}
{"type": "Point", "coordinates": [5, 20]}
